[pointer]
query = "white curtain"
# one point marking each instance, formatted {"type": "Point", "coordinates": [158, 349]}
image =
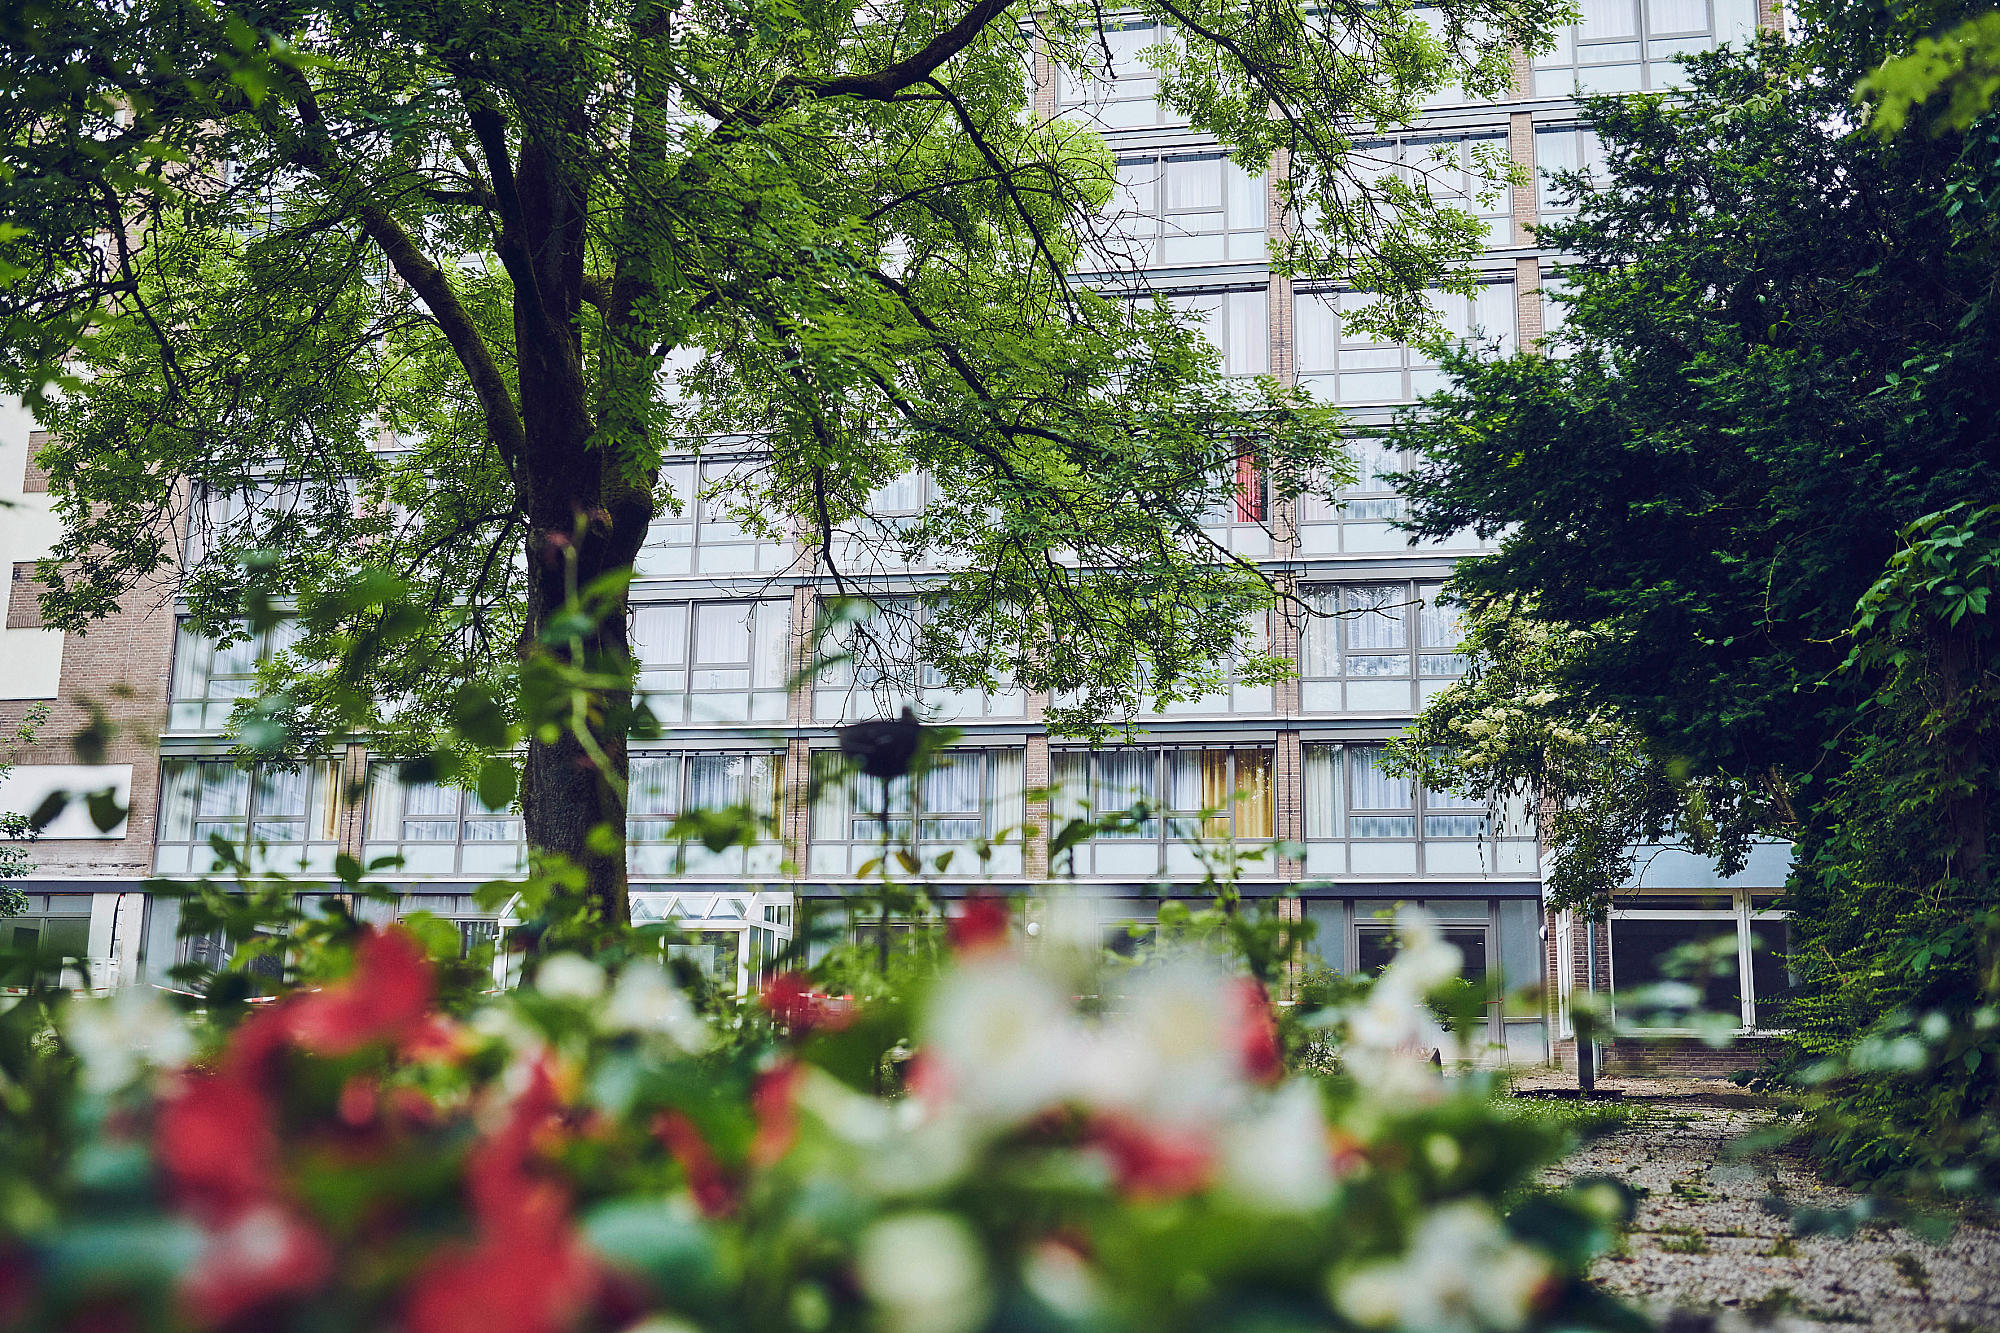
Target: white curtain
{"type": "Point", "coordinates": [1322, 791]}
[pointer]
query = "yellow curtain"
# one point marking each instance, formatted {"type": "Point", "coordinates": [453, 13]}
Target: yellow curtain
{"type": "Point", "coordinates": [1253, 793]}
{"type": "Point", "coordinates": [1215, 793]}
{"type": "Point", "coordinates": [327, 800]}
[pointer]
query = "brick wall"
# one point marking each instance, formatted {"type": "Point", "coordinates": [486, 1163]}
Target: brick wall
{"type": "Point", "coordinates": [1678, 1057]}
{"type": "Point", "coordinates": [35, 477]}
{"type": "Point", "coordinates": [24, 597]}
{"type": "Point", "coordinates": [120, 664]}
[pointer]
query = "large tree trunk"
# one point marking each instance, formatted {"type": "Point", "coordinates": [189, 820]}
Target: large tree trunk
{"type": "Point", "coordinates": [583, 522]}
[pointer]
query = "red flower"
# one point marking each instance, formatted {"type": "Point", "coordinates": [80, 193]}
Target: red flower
{"type": "Point", "coordinates": [527, 1272]}
{"type": "Point", "coordinates": [772, 1100]}
{"type": "Point", "coordinates": [218, 1144]}
{"type": "Point", "coordinates": [386, 998]}
{"type": "Point", "coordinates": [792, 1002]}
{"type": "Point", "coordinates": [979, 923]}
{"type": "Point", "coordinates": [713, 1193]}
{"type": "Point", "coordinates": [261, 1255]}
{"type": "Point", "coordinates": [1152, 1163]}
{"type": "Point", "coordinates": [1262, 1054]}
{"type": "Point", "coordinates": [506, 1283]}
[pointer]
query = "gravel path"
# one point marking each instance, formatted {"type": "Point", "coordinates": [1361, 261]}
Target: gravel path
{"type": "Point", "coordinates": [1705, 1252]}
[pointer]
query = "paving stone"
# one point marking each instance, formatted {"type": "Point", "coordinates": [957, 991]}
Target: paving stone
{"type": "Point", "coordinates": [1750, 1271]}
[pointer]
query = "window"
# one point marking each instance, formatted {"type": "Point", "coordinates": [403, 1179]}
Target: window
{"type": "Point", "coordinates": [438, 829]}
{"type": "Point", "coordinates": [287, 816]}
{"type": "Point", "coordinates": [870, 668]}
{"type": "Point", "coordinates": [1456, 171]}
{"type": "Point", "coordinates": [1624, 46]}
{"type": "Point", "coordinates": [1240, 522]}
{"type": "Point", "coordinates": [1730, 946]}
{"type": "Point", "coordinates": [1235, 696]}
{"type": "Point", "coordinates": [1360, 515]}
{"type": "Point", "coordinates": [209, 678]}
{"type": "Point", "coordinates": [722, 661]}
{"type": "Point", "coordinates": [705, 537]}
{"type": "Point", "coordinates": [667, 785]}
{"type": "Point", "coordinates": [1199, 803]}
{"type": "Point", "coordinates": [1130, 97]}
{"type": "Point", "coordinates": [1569, 149]}
{"type": "Point", "coordinates": [1555, 313]}
{"type": "Point", "coordinates": [1345, 364]}
{"type": "Point", "coordinates": [1362, 819]}
{"type": "Point", "coordinates": [965, 796]}
{"type": "Point", "coordinates": [56, 926]}
{"type": "Point", "coordinates": [1376, 647]}
{"type": "Point", "coordinates": [1236, 324]}
{"type": "Point", "coordinates": [1198, 208]}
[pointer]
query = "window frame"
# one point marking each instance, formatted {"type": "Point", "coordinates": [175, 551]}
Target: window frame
{"type": "Point", "coordinates": [844, 833]}
{"type": "Point", "coordinates": [1417, 371]}
{"type": "Point", "coordinates": [1179, 850]}
{"type": "Point", "coordinates": [761, 785]}
{"type": "Point", "coordinates": [325, 806]}
{"type": "Point", "coordinates": [467, 811]}
{"type": "Point", "coordinates": [765, 693]}
{"type": "Point", "coordinates": [1417, 603]}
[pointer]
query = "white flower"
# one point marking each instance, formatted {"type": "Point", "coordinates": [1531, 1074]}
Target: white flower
{"type": "Point", "coordinates": [568, 976]}
{"type": "Point", "coordinates": [645, 999]}
{"type": "Point", "coordinates": [1173, 1052]}
{"type": "Point", "coordinates": [1005, 1042]}
{"type": "Point", "coordinates": [925, 1274]}
{"type": "Point", "coordinates": [1277, 1160]}
{"type": "Point", "coordinates": [117, 1039]}
{"type": "Point", "coordinates": [1462, 1274]}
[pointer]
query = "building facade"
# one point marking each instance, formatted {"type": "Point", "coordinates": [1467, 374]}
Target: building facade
{"type": "Point", "coordinates": [1281, 784]}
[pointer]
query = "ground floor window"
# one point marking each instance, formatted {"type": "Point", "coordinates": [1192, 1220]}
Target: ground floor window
{"type": "Point", "coordinates": [1729, 948]}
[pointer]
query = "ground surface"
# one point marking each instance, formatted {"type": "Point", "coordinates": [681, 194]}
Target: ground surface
{"type": "Point", "coordinates": [1704, 1244]}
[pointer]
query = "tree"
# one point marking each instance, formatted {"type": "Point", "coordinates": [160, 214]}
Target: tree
{"type": "Point", "coordinates": [1771, 362]}
{"type": "Point", "coordinates": [16, 826]}
{"type": "Point", "coordinates": [1512, 727]}
{"type": "Point", "coordinates": [1732, 507]}
{"type": "Point", "coordinates": [540, 244]}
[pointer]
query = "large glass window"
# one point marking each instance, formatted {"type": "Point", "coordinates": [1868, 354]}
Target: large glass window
{"type": "Point", "coordinates": [1559, 150]}
{"type": "Point", "coordinates": [56, 926]}
{"type": "Point", "coordinates": [870, 668]}
{"type": "Point", "coordinates": [1376, 647]}
{"type": "Point", "coordinates": [706, 536]}
{"type": "Point", "coordinates": [286, 816]}
{"type": "Point", "coordinates": [1730, 946]}
{"type": "Point", "coordinates": [1340, 362]}
{"type": "Point", "coordinates": [665, 786]}
{"type": "Point", "coordinates": [1199, 805]}
{"type": "Point", "coordinates": [208, 678]}
{"type": "Point", "coordinates": [1129, 97]}
{"type": "Point", "coordinates": [1623, 46]}
{"type": "Point", "coordinates": [1362, 819]}
{"type": "Point", "coordinates": [1465, 172]}
{"type": "Point", "coordinates": [964, 799]}
{"type": "Point", "coordinates": [1240, 521]}
{"type": "Point", "coordinates": [438, 829]}
{"type": "Point", "coordinates": [1198, 208]}
{"type": "Point", "coordinates": [720, 661]}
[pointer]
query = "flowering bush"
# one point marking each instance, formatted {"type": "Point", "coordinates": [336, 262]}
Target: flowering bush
{"type": "Point", "coordinates": [1058, 1148]}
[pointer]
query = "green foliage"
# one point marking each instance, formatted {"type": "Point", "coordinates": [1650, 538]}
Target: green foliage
{"type": "Point", "coordinates": [1962, 62]}
{"type": "Point", "coordinates": [1515, 727]}
{"type": "Point", "coordinates": [1736, 560]}
{"type": "Point", "coordinates": [15, 860]}
{"type": "Point", "coordinates": [438, 291]}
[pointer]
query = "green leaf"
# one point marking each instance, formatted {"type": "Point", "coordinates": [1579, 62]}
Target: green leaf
{"type": "Point", "coordinates": [498, 781]}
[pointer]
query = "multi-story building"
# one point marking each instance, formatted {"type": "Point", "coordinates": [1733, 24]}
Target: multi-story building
{"type": "Point", "coordinates": [1284, 782]}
